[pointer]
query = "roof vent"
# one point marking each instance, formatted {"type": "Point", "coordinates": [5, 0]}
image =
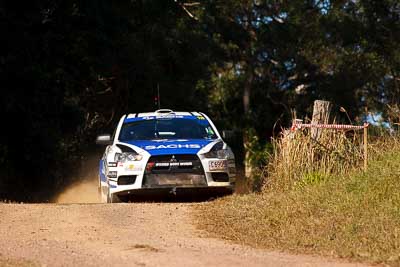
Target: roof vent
{"type": "Point", "coordinates": [164, 111]}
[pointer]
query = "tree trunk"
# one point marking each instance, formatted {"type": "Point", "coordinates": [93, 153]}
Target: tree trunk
{"type": "Point", "coordinates": [321, 112]}
{"type": "Point", "coordinates": [246, 108]}
{"type": "Point", "coordinates": [250, 60]}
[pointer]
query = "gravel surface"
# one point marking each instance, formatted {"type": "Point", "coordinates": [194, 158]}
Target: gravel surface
{"type": "Point", "coordinates": [126, 234]}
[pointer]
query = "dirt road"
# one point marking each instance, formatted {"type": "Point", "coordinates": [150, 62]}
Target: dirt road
{"type": "Point", "coordinates": [126, 234]}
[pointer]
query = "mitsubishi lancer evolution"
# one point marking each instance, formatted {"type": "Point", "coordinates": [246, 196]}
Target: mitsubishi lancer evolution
{"type": "Point", "coordinates": [164, 151]}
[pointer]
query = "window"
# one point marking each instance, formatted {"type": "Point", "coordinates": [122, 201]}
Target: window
{"type": "Point", "coordinates": [171, 128]}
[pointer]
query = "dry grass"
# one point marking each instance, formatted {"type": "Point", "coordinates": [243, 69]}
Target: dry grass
{"type": "Point", "coordinates": [354, 215]}
{"type": "Point", "coordinates": [299, 159]}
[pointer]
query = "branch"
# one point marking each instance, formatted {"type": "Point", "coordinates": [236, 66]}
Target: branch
{"type": "Point", "coordinates": [183, 6]}
{"type": "Point", "coordinates": [192, 4]}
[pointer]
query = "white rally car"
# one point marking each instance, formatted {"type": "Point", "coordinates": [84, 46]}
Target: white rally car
{"type": "Point", "coordinates": [164, 151]}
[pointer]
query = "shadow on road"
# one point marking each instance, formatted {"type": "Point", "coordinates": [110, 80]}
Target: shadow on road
{"type": "Point", "coordinates": [173, 197]}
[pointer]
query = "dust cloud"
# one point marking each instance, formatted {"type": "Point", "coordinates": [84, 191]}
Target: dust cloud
{"type": "Point", "coordinates": [85, 189]}
{"type": "Point", "coordinates": [81, 192]}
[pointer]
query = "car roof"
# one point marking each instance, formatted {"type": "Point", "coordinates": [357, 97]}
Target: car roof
{"type": "Point", "coordinates": [163, 112]}
{"type": "Point", "coordinates": [167, 114]}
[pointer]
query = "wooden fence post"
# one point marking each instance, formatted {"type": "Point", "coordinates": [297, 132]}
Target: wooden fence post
{"type": "Point", "coordinates": [321, 112]}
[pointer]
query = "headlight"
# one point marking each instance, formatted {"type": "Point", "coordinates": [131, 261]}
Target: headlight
{"type": "Point", "coordinates": [218, 151]}
{"type": "Point", "coordinates": [127, 156]}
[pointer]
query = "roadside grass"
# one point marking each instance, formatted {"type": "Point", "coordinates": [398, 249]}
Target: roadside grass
{"type": "Point", "coordinates": [298, 159]}
{"type": "Point", "coordinates": [353, 215]}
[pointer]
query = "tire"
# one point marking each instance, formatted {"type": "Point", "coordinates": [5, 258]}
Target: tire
{"type": "Point", "coordinates": [99, 193]}
{"type": "Point", "coordinates": [112, 198]}
{"type": "Point", "coordinates": [103, 195]}
{"type": "Point", "coordinates": [124, 198]}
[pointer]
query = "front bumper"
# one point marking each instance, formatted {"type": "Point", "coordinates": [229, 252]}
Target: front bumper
{"type": "Point", "coordinates": [146, 177]}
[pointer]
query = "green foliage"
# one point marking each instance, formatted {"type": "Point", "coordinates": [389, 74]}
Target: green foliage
{"type": "Point", "coordinates": [311, 178]}
{"type": "Point", "coordinates": [258, 155]}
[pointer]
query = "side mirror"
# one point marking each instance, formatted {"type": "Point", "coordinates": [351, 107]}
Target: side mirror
{"type": "Point", "coordinates": [104, 139]}
{"type": "Point", "coordinates": [228, 134]}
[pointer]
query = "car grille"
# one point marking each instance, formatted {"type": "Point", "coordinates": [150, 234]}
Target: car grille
{"type": "Point", "coordinates": [174, 164]}
{"type": "Point", "coordinates": [174, 170]}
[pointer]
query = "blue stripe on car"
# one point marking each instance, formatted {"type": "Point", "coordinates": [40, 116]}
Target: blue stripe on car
{"type": "Point", "coordinates": [102, 174]}
{"type": "Point", "coordinates": [168, 147]}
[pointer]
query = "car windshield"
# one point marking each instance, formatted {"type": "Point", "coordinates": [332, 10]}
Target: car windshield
{"type": "Point", "coordinates": [172, 128]}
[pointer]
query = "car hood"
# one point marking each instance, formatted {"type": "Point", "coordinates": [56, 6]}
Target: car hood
{"type": "Point", "coordinates": [166, 146]}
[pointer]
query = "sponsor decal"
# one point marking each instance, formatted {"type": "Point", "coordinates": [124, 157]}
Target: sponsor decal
{"type": "Point", "coordinates": [112, 164]}
{"type": "Point", "coordinates": [173, 164]}
{"type": "Point", "coordinates": [172, 146]}
{"type": "Point", "coordinates": [148, 118]}
{"type": "Point", "coordinates": [186, 164]}
{"type": "Point", "coordinates": [162, 164]}
{"type": "Point", "coordinates": [167, 116]}
{"type": "Point", "coordinates": [132, 167]}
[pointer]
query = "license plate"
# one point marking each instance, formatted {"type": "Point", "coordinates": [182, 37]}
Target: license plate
{"type": "Point", "coordinates": [215, 165]}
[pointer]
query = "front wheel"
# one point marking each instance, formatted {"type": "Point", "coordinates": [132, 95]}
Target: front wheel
{"type": "Point", "coordinates": [103, 194]}
{"type": "Point", "coordinates": [112, 198]}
